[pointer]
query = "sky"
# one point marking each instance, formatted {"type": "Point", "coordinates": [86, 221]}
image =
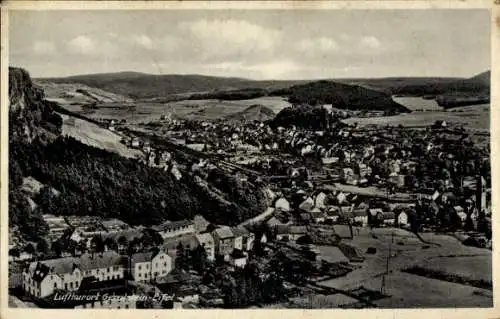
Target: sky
{"type": "Point", "coordinates": [256, 44]}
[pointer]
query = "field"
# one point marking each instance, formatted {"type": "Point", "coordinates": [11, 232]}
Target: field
{"type": "Point", "coordinates": [94, 135]}
{"type": "Point", "coordinates": [406, 250]}
{"type": "Point", "coordinates": [474, 117]}
{"type": "Point", "coordinates": [145, 112]}
{"type": "Point", "coordinates": [416, 103]}
{"type": "Point", "coordinates": [476, 268]}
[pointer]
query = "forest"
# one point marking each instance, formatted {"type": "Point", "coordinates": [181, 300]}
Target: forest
{"type": "Point", "coordinates": [91, 181]}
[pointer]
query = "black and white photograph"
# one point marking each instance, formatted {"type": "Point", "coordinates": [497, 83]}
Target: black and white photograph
{"type": "Point", "coordinates": [249, 159]}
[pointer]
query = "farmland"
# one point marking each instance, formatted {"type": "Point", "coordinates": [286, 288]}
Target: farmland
{"type": "Point", "coordinates": [94, 135]}
{"type": "Point", "coordinates": [474, 117]}
{"type": "Point", "coordinates": [409, 290]}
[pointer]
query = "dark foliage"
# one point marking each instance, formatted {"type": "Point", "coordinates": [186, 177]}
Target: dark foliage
{"type": "Point", "coordinates": [341, 96]}
{"type": "Point", "coordinates": [309, 117]}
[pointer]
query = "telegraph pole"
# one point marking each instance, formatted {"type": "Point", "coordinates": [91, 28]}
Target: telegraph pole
{"type": "Point", "coordinates": [382, 288]}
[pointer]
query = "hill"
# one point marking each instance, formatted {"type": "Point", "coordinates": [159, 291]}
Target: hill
{"type": "Point", "coordinates": [341, 96]}
{"type": "Point", "coordinates": [81, 94]}
{"type": "Point", "coordinates": [472, 91]}
{"type": "Point", "coordinates": [144, 86]}
{"type": "Point", "coordinates": [95, 181]}
{"type": "Point", "coordinates": [254, 112]}
{"type": "Point", "coordinates": [476, 84]}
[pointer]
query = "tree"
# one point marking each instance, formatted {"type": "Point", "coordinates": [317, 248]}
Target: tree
{"type": "Point", "coordinates": [110, 243]}
{"type": "Point", "coordinates": [122, 242]}
{"type": "Point", "coordinates": [42, 246]}
{"type": "Point", "coordinates": [199, 259]}
{"type": "Point", "coordinates": [30, 249]}
{"type": "Point", "coordinates": [97, 244]}
{"type": "Point", "coordinates": [14, 252]}
{"type": "Point", "coordinates": [180, 261]}
{"type": "Point", "coordinates": [57, 248]}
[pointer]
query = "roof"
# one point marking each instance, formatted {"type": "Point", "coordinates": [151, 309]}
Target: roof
{"type": "Point", "coordinates": [316, 213]}
{"type": "Point", "coordinates": [205, 238]}
{"type": "Point", "coordinates": [101, 260]}
{"type": "Point", "coordinates": [388, 215]}
{"type": "Point", "coordinates": [129, 234]}
{"type": "Point", "coordinates": [168, 226]}
{"type": "Point", "coordinates": [40, 272]}
{"type": "Point", "coordinates": [360, 212]}
{"type": "Point", "coordinates": [224, 232]}
{"type": "Point", "coordinates": [307, 205]}
{"type": "Point", "coordinates": [113, 222]}
{"type": "Point", "coordinates": [290, 229]}
{"type": "Point", "coordinates": [375, 211]}
{"type": "Point", "coordinates": [282, 204]}
{"type": "Point", "coordinates": [142, 257]}
{"type": "Point", "coordinates": [59, 265]}
{"type": "Point", "coordinates": [240, 231]}
{"type": "Point", "coordinates": [343, 231]}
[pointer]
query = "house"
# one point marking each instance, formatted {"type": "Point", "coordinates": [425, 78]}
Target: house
{"type": "Point", "coordinates": [146, 266]}
{"type": "Point", "coordinates": [173, 229]}
{"type": "Point", "coordinates": [307, 205]}
{"type": "Point", "coordinates": [104, 266]}
{"type": "Point", "coordinates": [364, 170]}
{"type": "Point", "coordinates": [460, 213]}
{"type": "Point", "coordinates": [388, 218]}
{"type": "Point", "coordinates": [320, 200]}
{"type": "Point", "coordinates": [135, 142]}
{"type": "Point", "coordinates": [403, 220]}
{"type": "Point", "coordinates": [243, 239]}
{"type": "Point", "coordinates": [317, 216]}
{"type": "Point", "coordinates": [282, 204]}
{"type": "Point", "coordinates": [360, 216]}
{"type": "Point", "coordinates": [43, 278]}
{"type": "Point", "coordinates": [114, 224]}
{"type": "Point", "coordinates": [238, 259]}
{"type": "Point", "coordinates": [332, 214]}
{"type": "Point", "coordinates": [224, 240]}
{"type": "Point", "coordinates": [341, 198]}
{"type": "Point", "coordinates": [206, 240]}
{"type": "Point", "coordinates": [347, 175]}
{"type": "Point", "coordinates": [289, 232]}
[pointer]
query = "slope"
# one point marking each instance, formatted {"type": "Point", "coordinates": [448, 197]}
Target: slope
{"type": "Point", "coordinates": [254, 112]}
{"type": "Point", "coordinates": [143, 86]}
{"type": "Point", "coordinates": [95, 181]}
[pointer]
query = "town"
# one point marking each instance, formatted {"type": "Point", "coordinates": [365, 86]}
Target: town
{"type": "Point", "coordinates": [328, 186]}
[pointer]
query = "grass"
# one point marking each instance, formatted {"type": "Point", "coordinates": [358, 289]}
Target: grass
{"type": "Point", "coordinates": [474, 118]}
{"type": "Point", "coordinates": [94, 135]}
{"type": "Point", "coordinates": [408, 290]}
{"type": "Point", "coordinates": [470, 270]}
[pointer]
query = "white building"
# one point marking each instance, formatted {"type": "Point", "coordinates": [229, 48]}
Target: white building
{"type": "Point", "coordinates": [173, 229]}
{"type": "Point", "coordinates": [42, 278]}
{"type": "Point", "coordinates": [150, 265]}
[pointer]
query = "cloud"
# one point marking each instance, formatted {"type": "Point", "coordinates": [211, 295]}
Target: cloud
{"type": "Point", "coordinates": [82, 45]}
{"type": "Point", "coordinates": [227, 39]}
{"type": "Point", "coordinates": [321, 44]}
{"type": "Point", "coordinates": [143, 41]}
{"type": "Point", "coordinates": [44, 47]}
{"type": "Point", "coordinates": [370, 42]}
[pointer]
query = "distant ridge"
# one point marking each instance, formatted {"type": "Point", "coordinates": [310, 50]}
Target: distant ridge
{"type": "Point", "coordinates": [139, 85]}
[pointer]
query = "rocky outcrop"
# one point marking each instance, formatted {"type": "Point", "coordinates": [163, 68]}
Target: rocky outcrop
{"type": "Point", "coordinates": [30, 115]}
